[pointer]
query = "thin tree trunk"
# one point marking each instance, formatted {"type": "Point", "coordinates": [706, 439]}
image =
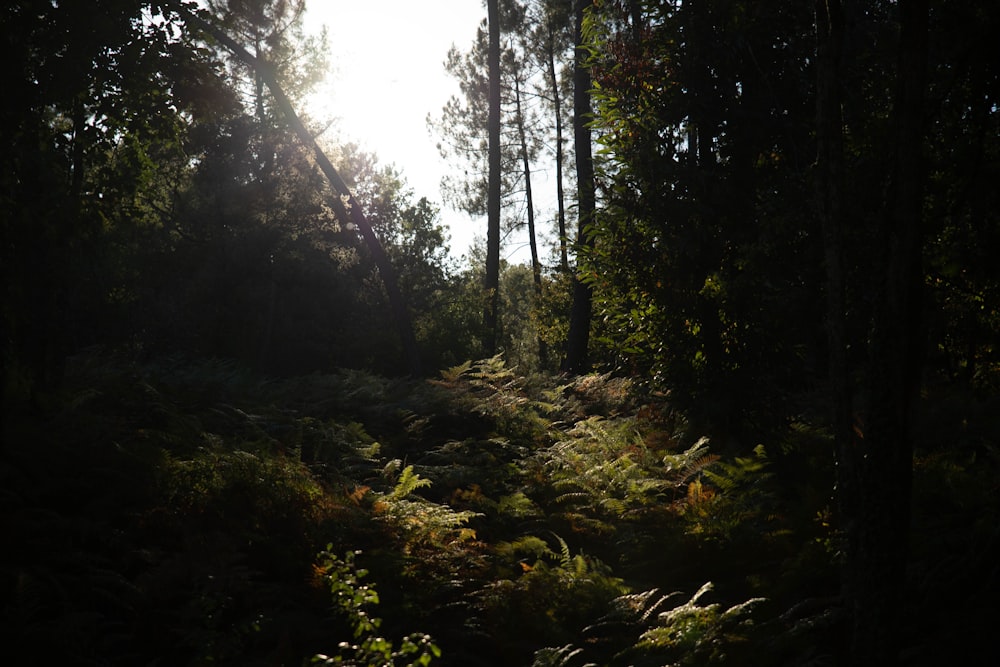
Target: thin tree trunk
{"type": "Point", "coordinates": [352, 211]}
{"type": "Point", "coordinates": [491, 283]}
{"type": "Point", "coordinates": [578, 339]}
{"type": "Point", "coordinates": [536, 266]}
{"type": "Point", "coordinates": [560, 195]}
{"type": "Point", "coordinates": [830, 209]}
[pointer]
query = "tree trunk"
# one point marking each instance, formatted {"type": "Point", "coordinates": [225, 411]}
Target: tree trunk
{"type": "Point", "coordinates": [557, 110]}
{"type": "Point", "coordinates": [536, 265]}
{"type": "Point", "coordinates": [352, 211]}
{"type": "Point", "coordinates": [491, 284]}
{"type": "Point", "coordinates": [578, 339]}
{"type": "Point", "coordinates": [876, 571]}
{"type": "Point", "coordinates": [830, 210]}
{"type": "Point", "coordinates": [872, 441]}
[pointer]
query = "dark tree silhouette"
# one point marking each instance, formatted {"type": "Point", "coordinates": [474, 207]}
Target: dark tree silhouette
{"type": "Point", "coordinates": [352, 210]}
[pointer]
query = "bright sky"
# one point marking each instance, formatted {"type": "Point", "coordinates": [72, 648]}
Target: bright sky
{"type": "Point", "coordinates": [387, 73]}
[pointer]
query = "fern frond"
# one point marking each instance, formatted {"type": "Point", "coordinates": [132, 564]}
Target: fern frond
{"type": "Point", "coordinates": [558, 657]}
{"type": "Point", "coordinates": [451, 375]}
{"type": "Point", "coordinates": [408, 482]}
{"type": "Point", "coordinates": [565, 558]}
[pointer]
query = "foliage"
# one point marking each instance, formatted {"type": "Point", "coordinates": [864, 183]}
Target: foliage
{"type": "Point", "coordinates": [197, 373]}
{"type": "Point", "coordinates": [730, 496]}
{"type": "Point", "coordinates": [604, 471]}
{"type": "Point", "coordinates": [663, 631]}
{"type": "Point", "coordinates": [417, 523]}
{"type": "Point", "coordinates": [693, 266]}
{"type": "Point", "coordinates": [547, 594]}
{"type": "Point", "coordinates": [692, 630]}
{"type": "Point", "coordinates": [209, 489]}
{"type": "Point", "coordinates": [497, 393]}
{"type": "Point", "coordinates": [352, 599]}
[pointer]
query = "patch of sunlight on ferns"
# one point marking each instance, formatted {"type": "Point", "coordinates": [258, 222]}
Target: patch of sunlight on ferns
{"type": "Point", "coordinates": [600, 394]}
{"type": "Point", "coordinates": [696, 634]}
{"type": "Point", "coordinates": [490, 389]}
{"type": "Point", "coordinates": [538, 550]}
{"type": "Point", "coordinates": [527, 546]}
{"type": "Point", "coordinates": [656, 628]}
{"type": "Point", "coordinates": [407, 483]}
{"type": "Point", "coordinates": [558, 657]}
{"type": "Point", "coordinates": [420, 521]}
{"type": "Point", "coordinates": [518, 505]}
{"type": "Point", "coordinates": [244, 484]}
{"type": "Point", "coordinates": [604, 466]}
{"type": "Point", "coordinates": [489, 384]}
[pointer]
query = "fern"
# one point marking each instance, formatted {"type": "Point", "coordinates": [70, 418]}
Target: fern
{"type": "Point", "coordinates": [697, 634]}
{"type": "Point", "coordinates": [655, 628]}
{"type": "Point", "coordinates": [419, 522]}
{"type": "Point", "coordinates": [491, 390]}
{"type": "Point", "coordinates": [603, 468]}
{"type": "Point", "coordinates": [518, 506]}
{"type": "Point", "coordinates": [407, 484]}
{"type": "Point", "coordinates": [451, 376]}
{"type": "Point", "coordinates": [548, 591]}
{"type": "Point", "coordinates": [732, 496]}
{"type": "Point", "coordinates": [558, 657]}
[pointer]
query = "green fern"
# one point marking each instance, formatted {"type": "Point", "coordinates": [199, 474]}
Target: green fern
{"type": "Point", "coordinates": [490, 390]}
{"type": "Point", "coordinates": [562, 656]}
{"type": "Point", "coordinates": [732, 497]}
{"type": "Point", "coordinates": [407, 484]}
{"type": "Point", "coordinates": [603, 470]}
{"type": "Point", "coordinates": [696, 634]}
{"type": "Point", "coordinates": [451, 376]}
{"type": "Point", "coordinates": [650, 627]}
{"type": "Point", "coordinates": [417, 521]}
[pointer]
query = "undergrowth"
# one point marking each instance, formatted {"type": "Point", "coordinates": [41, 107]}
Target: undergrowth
{"type": "Point", "coordinates": [190, 512]}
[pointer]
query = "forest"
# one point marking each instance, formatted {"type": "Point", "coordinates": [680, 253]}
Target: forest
{"type": "Point", "coordinates": [739, 404]}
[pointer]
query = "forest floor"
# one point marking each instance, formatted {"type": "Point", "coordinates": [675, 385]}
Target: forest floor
{"type": "Point", "coordinates": [192, 512]}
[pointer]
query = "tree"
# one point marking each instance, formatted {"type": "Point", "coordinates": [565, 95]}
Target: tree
{"type": "Point", "coordinates": [417, 246]}
{"type": "Point", "coordinates": [703, 117]}
{"type": "Point", "coordinates": [352, 210]}
{"type": "Point", "coordinates": [479, 140]}
{"type": "Point", "coordinates": [962, 226]}
{"type": "Point", "coordinates": [536, 266]}
{"type": "Point", "coordinates": [576, 360]}
{"type": "Point", "coordinates": [874, 443]}
{"type": "Point", "coordinates": [464, 122]}
{"type": "Point", "coordinates": [88, 115]}
{"type": "Point", "coordinates": [491, 282]}
{"type": "Point", "coordinates": [553, 36]}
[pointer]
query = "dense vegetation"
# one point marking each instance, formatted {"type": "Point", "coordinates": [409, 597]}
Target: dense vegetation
{"type": "Point", "coordinates": [215, 446]}
{"type": "Point", "coordinates": [176, 511]}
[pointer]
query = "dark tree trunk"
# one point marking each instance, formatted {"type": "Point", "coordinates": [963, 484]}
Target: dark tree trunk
{"type": "Point", "coordinates": [873, 439]}
{"type": "Point", "coordinates": [491, 284]}
{"type": "Point", "coordinates": [876, 571]}
{"type": "Point", "coordinates": [578, 339]}
{"type": "Point", "coordinates": [830, 210]}
{"type": "Point", "coordinates": [635, 14]}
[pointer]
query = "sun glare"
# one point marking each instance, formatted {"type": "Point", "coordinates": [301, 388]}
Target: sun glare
{"type": "Point", "coordinates": [386, 76]}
